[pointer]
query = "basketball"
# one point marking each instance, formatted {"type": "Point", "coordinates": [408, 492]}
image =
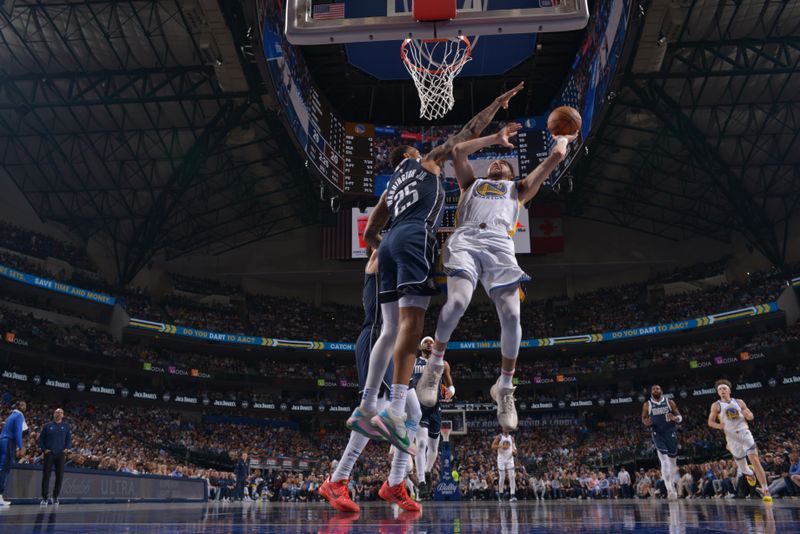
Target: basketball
{"type": "Point", "coordinates": [564, 120]}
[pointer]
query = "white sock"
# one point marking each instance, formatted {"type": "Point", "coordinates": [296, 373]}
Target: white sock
{"type": "Point", "coordinates": [399, 392]}
{"type": "Point", "coordinates": [432, 453]}
{"type": "Point", "coordinates": [399, 467]}
{"type": "Point", "coordinates": [353, 450]}
{"type": "Point", "coordinates": [673, 462]}
{"type": "Point", "coordinates": [507, 379]}
{"type": "Point", "coordinates": [369, 399]}
{"type": "Point", "coordinates": [436, 357]}
{"type": "Point", "coordinates": [419, 459]}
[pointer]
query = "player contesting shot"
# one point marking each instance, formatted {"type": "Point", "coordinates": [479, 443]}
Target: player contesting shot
{"type": "Point", "coordinates": [413, 204]}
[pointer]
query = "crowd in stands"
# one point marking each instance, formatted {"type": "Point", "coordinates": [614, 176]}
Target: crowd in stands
{"type": "Point", "coordinates": [572, 457]}
{"type": "Point", "coordinates": [586, 449]}
{"type": "Point", "coordinates": [606, 309]}
{"type": "Point", "coordinates": [599, 311]}
{"type": "Point", "coordinates": [42, 246]}
{"type": "Point", "coordinates": [82, 279]}
{"type": "Point", "coordinates": [202, 286]}
{"type": "Point", "coordinates": [580, 370]}
{"type": "Point", "coordinates": [216, 317]}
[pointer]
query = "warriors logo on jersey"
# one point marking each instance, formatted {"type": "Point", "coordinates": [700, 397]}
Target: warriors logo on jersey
{"type": "Point", "coordinates": [732, 413]}
{"type": "Point", "coordinates": [491, 189]}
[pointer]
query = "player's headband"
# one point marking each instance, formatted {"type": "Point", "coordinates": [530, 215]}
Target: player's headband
{"type": "Point", "coordinates": [425, 340]}
{"type": "Point", "coordinates": [723, 386]}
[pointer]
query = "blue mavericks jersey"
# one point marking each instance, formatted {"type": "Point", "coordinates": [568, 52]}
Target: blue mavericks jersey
{"type": "Point", "coordinates": [415, 195]}
{"type": "Point", "coordinates": [419, 365]}
{"type": "Point", "coordinates": [658, 415]}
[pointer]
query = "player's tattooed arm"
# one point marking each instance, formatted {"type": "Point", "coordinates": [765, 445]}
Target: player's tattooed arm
{"type": "Point", "coordinates": [713, 417]}
{"type": "Point", "coordinates": [529, 186]}
{"type": "Point", "coordinates": [496, 443]}
{"type": "Point", "coordinates": [376, 222]}
{"type": "Point", "coordinates": [461, 152]}
{"type": "Point", "coordinates": [473, 128]}
{"type": "Point", "coordinates": [748, 415]}
{"type": "Point", "coordinates": [646, 421]}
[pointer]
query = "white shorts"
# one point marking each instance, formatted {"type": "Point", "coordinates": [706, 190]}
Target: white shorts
{"type": "Point", "coordinates": [483, 254]}
{"type": "Point", "coordinates": [505, 465]}
{"type": "Point", "coordinates": [740, 443]}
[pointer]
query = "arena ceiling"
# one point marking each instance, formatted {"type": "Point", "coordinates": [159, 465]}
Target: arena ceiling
{"type": "Point", "coordinates": [145, 122]}
{"type": "Point", "coordinates": [148, 123]}
{"type": "Point", "coordinates": [701, 136]}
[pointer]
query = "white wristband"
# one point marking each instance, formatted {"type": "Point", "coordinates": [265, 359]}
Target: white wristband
{"type": "Point", "coordinates": [452, 390]}
{"type": "Point", "coordinates": [678, 418]}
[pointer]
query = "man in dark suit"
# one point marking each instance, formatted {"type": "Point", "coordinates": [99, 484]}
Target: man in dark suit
{"type": "Point", "coordinates": [55, 438]}
{"type": "Point", "coordinates": [242, 471]}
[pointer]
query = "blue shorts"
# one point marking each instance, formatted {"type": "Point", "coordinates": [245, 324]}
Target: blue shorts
{"type": "Point", "coordinates": [666, 443]}
{"type": "Point", "coordinates": [407, 262]}
{"type": "Point", "coordinates": [366, 340]}
{"type": "Point", "coordinates": [432, 420]}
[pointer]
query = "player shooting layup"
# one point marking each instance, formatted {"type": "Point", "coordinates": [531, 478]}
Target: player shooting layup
{"type": "Point", "coordinates": [481, 248]}
{"type": "Point", "coordinates": [413, 202]}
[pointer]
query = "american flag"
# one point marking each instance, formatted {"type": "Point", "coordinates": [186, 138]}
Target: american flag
{"type": "Point", "coordinates": [328, 11]}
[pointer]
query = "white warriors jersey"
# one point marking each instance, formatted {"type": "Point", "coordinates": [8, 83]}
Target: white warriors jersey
{"type": "Point", "coordinates": [731, 416]}
{"type": "Point", "coordinates": [493, 202]}
{"type": "Point", "coordinates": [505, 452]}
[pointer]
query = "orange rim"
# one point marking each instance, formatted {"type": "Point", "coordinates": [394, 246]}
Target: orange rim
{"type": "Point", "coordinates": [452, 67]}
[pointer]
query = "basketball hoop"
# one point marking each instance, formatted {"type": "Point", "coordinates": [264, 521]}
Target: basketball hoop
{"type": "Point", "coordinates": [433, 65]}
{"type": "Point", "coordinates": [446, 428]}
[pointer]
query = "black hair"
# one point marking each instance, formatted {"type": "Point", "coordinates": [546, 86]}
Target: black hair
{"type": "Point", "coordinates": [398, 155]}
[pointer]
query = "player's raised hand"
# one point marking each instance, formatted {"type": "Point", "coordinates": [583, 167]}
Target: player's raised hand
{"type": "Point", "coordinates": [508, 131]}
{"type": "Point", "coordinates": [562, 141]}
{"type": "Point", "coordinates": [506, 97]}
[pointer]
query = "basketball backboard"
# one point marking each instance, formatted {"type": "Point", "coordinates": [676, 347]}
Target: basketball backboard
{"type": "Point", "coordinates": [310, 22]}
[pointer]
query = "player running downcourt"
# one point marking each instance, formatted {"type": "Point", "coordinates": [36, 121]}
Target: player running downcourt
{"type": "Point", "coordinates": [662, 416]}
{"type": "Point", "coordinates": [731, 415]}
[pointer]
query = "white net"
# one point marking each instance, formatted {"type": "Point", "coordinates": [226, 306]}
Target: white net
{"type": "Point", "coordinates": [433, 65]}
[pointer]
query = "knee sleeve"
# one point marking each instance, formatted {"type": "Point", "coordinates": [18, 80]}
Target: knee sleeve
{"type": "Point", "coordinates": [666, 466]}
{"type": "Point", "coordinates": [459, 294]}
{"type": "Point", "coordinates": [414, 301]}
{"type": "Point", "coordinates": [432, 453]}
{"type": "Point", "coordinates": [507, 302]}
{"type": "Point", "coordinates": [742, 467]}
{"type": "Point", "coordinates": [512, 481]}
{"type": "Point", "coordinates": [501, 481]}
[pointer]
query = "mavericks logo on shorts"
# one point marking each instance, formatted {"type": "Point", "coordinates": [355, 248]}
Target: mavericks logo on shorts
{"type": "Point", "coordinates": [492, 190]}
